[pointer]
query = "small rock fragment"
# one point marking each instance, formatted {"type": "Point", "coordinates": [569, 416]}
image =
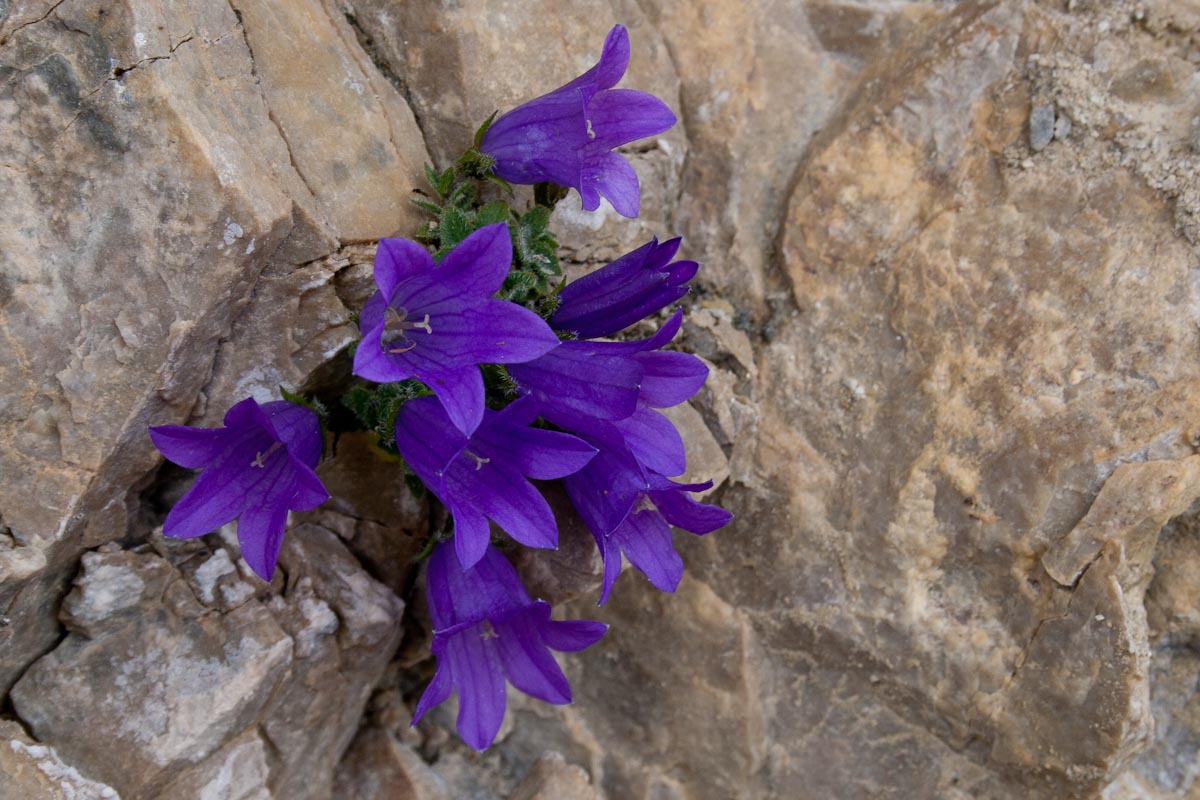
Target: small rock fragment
{"type": "Point", "coordinates": [1041, 127]}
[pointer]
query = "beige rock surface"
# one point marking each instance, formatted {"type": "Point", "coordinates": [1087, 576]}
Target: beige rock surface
{"type": "Point", "coordinates": [950, 303]}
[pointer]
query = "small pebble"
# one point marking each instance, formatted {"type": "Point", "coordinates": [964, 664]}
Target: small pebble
{"type": "Point", "coordinates": [1041, 126]}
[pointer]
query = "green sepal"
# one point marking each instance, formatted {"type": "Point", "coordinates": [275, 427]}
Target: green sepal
{"type": "Point", "coordinates": [483, 129]}
{"type": "Point", "coordinates": [498, 181]}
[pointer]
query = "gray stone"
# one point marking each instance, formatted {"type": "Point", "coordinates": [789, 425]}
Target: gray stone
{"type": "Point", "coordinates": [1041, 127]}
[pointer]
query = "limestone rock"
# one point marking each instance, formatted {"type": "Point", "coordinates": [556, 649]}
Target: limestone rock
{"type": "Point", "coordinates": [949, 302]}
{"type": "Point", "coordinates": [379, 767]}
{"type": "Point", "coordinates": [35, 772]}
{"type": "Point", "coordinates": [194, 698]}
{"type": "Point", "coordinates": [552, 778]}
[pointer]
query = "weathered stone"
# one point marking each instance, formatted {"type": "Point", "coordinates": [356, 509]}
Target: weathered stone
{"type": "Point", "coordinates": [379, 767]}
{"type": "Point", "coordinates": [346, 627]}
{"type": "Point", "coordinates": [238, 771]}
{"type": "Point", "coordinates": [168, 690]}
{"type": "Point", "coordinates": [35, 772]}
{"type": "Point", "coordinates": [373, 511]}
{"type": "Point", "coordinates": [953, 387]}
{"type": "Point", "coordinates": [552, 778]}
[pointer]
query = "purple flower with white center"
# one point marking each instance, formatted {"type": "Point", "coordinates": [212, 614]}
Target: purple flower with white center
{"type": "Point", "coordinates": [567, 136]}
{"type": "Point", "coordinates": [437, 323]}
{"type": "Point", "coordinates": [486, 629]}
{"type": "Point", "coordinates": [631, 288]}
{"type": "Point", "coordinates": [486, 476]}
{"type": "Point", "coordinates": [255, 469]}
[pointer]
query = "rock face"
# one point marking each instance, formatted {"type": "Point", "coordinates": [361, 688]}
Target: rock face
{"type": "Point", "coordinates": [949, 298]}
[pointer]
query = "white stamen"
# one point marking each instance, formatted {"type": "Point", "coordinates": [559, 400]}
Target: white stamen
{"type": "Point", "coordinates": [260, 457]}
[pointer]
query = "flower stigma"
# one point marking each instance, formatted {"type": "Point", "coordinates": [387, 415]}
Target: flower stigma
{"type": "Point", "coordinates": [396, 325]}
{"type": "Point", "coordinates": [261, 457]}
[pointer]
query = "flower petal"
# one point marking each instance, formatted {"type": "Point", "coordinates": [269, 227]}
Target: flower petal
{"type": "Point", "coordinates": [435, 693]}
{"type": "Point", "coordinates": [645, 539]}
{"type": "Point", "coordinates": [478, 678]}
{"type": "Point", "coordinates": [397, 260]}
{"type": "Point", "coordinates": [461, 394]}
{"type": "Point", "coordinates": [260, 534]}
{"type": "Point", "coordinates": [605, 490]}
{"type": "Point", "coordinates": [670, 378]}
{"type": "Point", "coordinates": [427, 440]}
{"type": "Point", "coordinates": [527, 662]}
{"type": "Point", "coordinates": [373, 362]}
{"type": "Point", "coordinates": [371, 314]}
{"type": "Point", "coordinates": [299, 428]}
{"type": "Point", "coordinates": [224, 490]}
{"type": "Point", "coordinates": [504, 495]}
{"type": "Point", "coordinates": [473, 270]}
{"type": "Point", "coordinates": [609, 174]}
{"type": "Point", "coordinates": [610, 555]}
{"type": "Point", "coordinates": [683, 511]}
{"type": "Point", "coordinates": [620, 116]}
{"type": "Point", "coordinates": [189, 447]}
{"type": "Point", "coordinates": [580, 378]}
{"type": "Point", "coordinates": [614, 59]}
{"type": "Point", "coordinates": [310, 491]}
{"type": "Point", "coordinates": [536, 453]}
{"type": "Point", "coordinates": [569, 636]}
{"type": "Point", "coordinates": [471, 534]}
{"type": "Point", "coordinates": [654, 441]}
{"type": "Point", "coordinates": [631, 288]}
{"type": "Point", "coordinates": [489, 332]}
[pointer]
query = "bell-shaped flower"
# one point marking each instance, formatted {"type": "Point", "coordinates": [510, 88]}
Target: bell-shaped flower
{"type": "Point", "coordinates": [629, 289]}
{"type": "Point", "coordinates": [583, 383]}
{"type": "Point", "coordinates": [438, 322]}
{"type": "Point", "coordinates": [631, 511]}
{"type": "Point", "coordinates": [568, 136]}
{"type": "Point", "coordinates": [486, 475]}
{"type": "Point", "coordinates": [579, 381]}
{"type": "Point", "coordinates": [486, 629]}
{"type": "Point", "coordinates": [255, 469]}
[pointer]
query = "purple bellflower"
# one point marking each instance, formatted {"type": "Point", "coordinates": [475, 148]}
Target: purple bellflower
{"type": "Point", "coordinates": [255, 469]}
{"type": "Point", "coordinates": [486, 629]}
{"type": "Point", "coordinates": [485, 476]}
{"type": "Point", "coordinates": [606, 490]}
{"type": "Point", "coordinates": [631, 288]}
{"type": "Point", "coordinates": [645, 534]}
{"type": "Point", "coordinates": [623, 494]}
{"type": "Point", "coordinates": [583, 385]}
{"type": "Point", "coordinates": [437, 323]}
{"type": "Point", "coordinates": [568, 136]}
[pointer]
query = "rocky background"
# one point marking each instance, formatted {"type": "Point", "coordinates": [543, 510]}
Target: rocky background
{"type": "Point", "coordinates": [951, 300]}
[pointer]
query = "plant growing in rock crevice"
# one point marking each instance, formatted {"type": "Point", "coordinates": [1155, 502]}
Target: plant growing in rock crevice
{"type": "Point", "coordinates": [482, 370]}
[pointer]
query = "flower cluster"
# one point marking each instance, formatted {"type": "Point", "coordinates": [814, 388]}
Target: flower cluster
{"type": "Point", "coordinates": [485, 374]}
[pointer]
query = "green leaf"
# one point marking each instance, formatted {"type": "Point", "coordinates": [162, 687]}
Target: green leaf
{"type": "Point", "coordinates": [445, 182]}
{"type": "Point", "coordinates": [428, 206]}
{"type": "Point", "coordinates": [455, 226]}
{"type": "Point", "coordinates": [496, 211]}
{"type": "Point", "coordinates": [376, 407]}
